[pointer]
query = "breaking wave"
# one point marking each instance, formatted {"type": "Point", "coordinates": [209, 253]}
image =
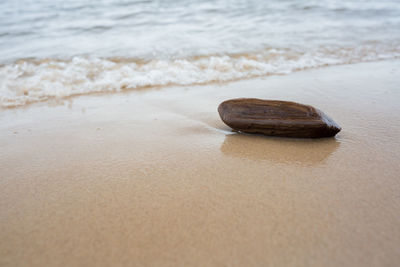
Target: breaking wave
{"type": "Point", "coordinates": [31, 80]}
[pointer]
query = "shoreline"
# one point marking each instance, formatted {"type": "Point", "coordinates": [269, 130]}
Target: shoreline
{"type": "Point", "coordinates": [154, 177]}
{"type": "Point", "coordinates": [126, 89]}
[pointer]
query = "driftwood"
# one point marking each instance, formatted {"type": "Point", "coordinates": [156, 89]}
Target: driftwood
{"type": "Point", "coordinates": [276, 118]}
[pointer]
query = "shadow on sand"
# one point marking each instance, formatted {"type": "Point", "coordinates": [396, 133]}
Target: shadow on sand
{"type": "Point", "coordinates": [306, 152]}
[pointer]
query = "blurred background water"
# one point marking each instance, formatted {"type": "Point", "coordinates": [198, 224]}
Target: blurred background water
{"type": "Point", "coordinates": [54, 48]}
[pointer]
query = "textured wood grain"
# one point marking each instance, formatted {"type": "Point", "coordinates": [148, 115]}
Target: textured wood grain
{"type": "Point", "coordinates": [276, 118]}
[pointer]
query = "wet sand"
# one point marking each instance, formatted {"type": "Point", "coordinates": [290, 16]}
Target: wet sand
{"type": "Point", "coordinates": [154, 178]}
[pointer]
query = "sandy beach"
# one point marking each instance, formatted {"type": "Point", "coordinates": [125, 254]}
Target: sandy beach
{"type": "Point", "coordinates": [153, 177]}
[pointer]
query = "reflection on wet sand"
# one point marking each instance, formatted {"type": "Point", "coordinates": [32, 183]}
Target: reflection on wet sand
{"type": "Point", "coordinates": [307, 152]}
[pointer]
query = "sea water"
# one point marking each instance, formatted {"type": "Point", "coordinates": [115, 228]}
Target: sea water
{"type": "Point", "coordinates": [53, 48]}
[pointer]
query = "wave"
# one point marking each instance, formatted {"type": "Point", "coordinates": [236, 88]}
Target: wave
{"type": "Point", "coordinates": [31, 80]}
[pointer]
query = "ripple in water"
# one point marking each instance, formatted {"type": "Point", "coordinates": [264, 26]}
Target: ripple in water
{"type": "Point", "coordinates": [79, 47]}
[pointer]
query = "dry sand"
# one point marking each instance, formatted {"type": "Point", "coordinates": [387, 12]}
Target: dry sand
{"type": "Point", "coordinates": [154, 178]}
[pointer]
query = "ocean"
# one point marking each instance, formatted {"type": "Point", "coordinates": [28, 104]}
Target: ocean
{"type": "Point", "coordinates": [54, 49]}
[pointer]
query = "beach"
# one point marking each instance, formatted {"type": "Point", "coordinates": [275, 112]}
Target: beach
{"type": "Point", "coordinates": [153, 177]}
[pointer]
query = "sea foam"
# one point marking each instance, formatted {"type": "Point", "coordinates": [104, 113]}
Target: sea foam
{"type": "Point", "coordinates": [31, 80]}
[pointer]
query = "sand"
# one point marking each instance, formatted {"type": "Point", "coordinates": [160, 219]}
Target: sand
{"type": "Point", "coordinates": [154, 178]}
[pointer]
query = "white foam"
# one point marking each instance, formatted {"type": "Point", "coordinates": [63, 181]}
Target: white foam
{"type": "Point", "coordinates": [27, 81]}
